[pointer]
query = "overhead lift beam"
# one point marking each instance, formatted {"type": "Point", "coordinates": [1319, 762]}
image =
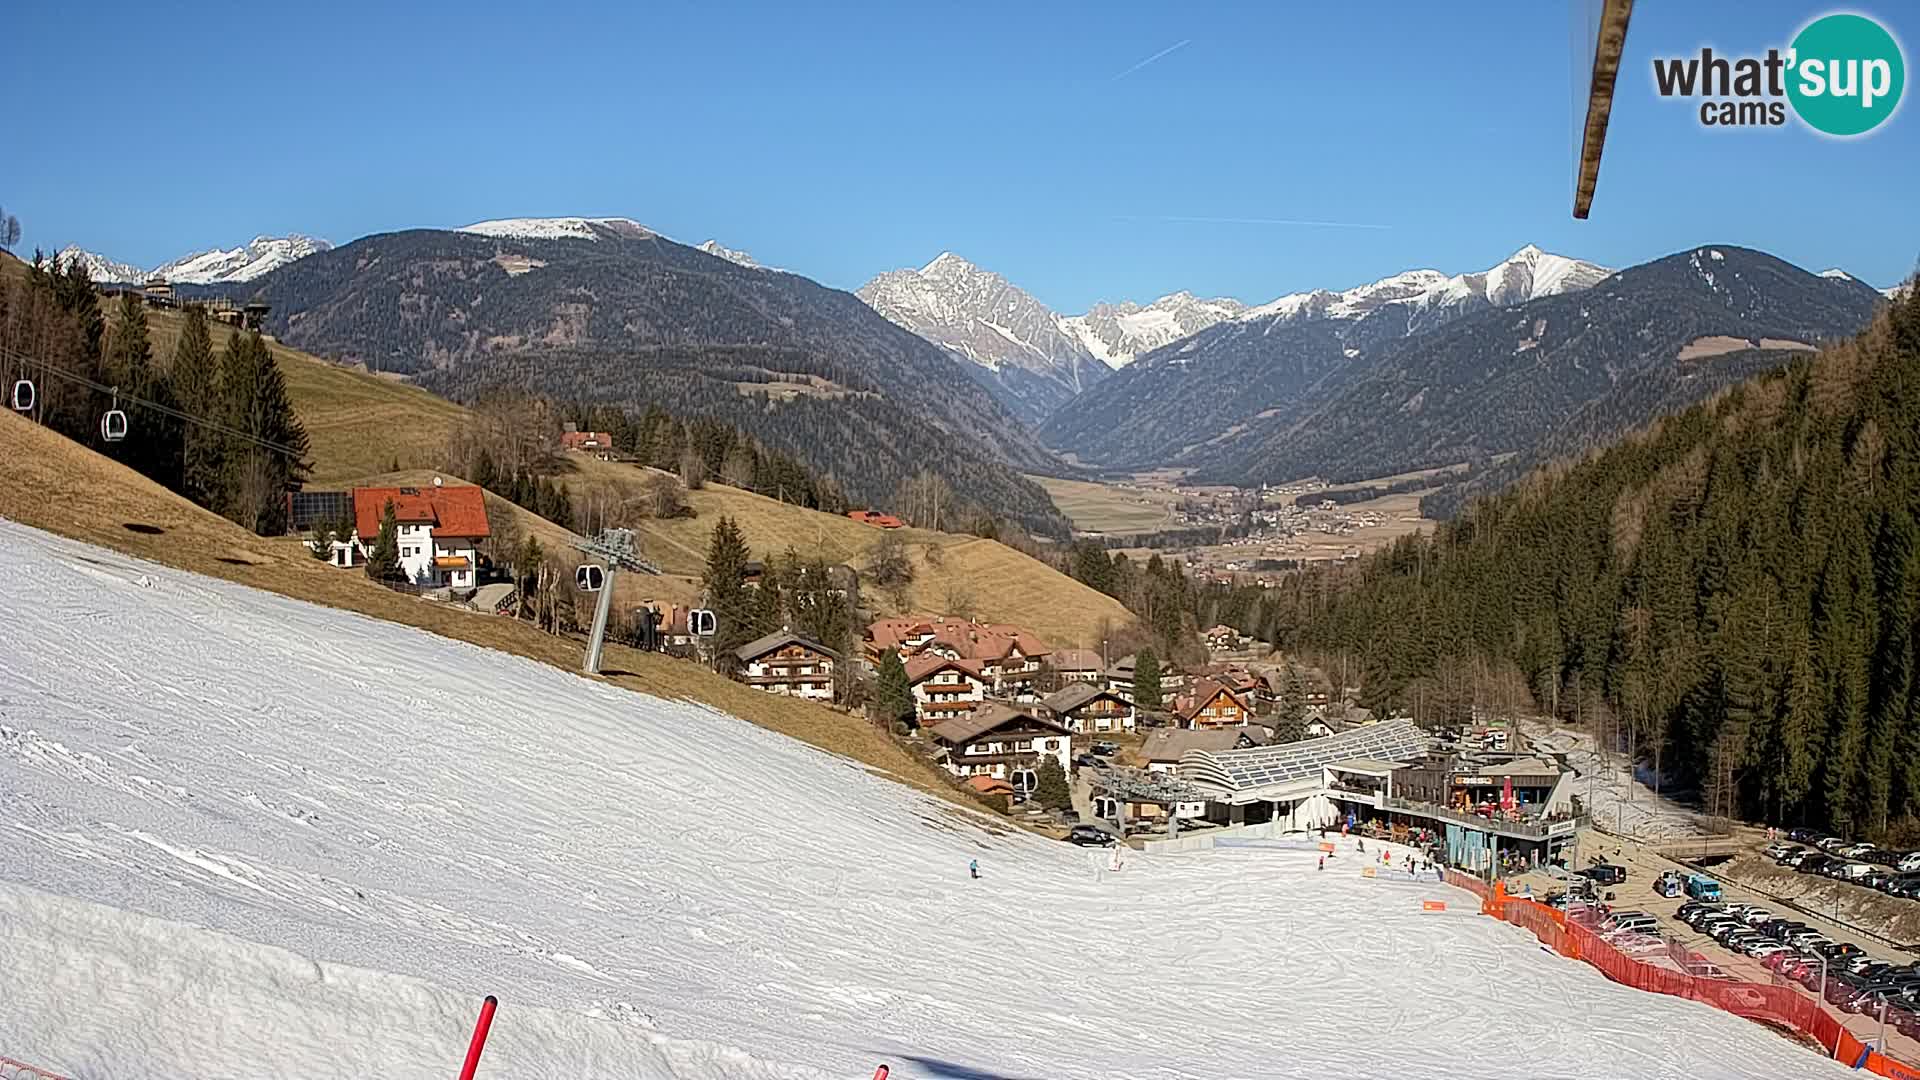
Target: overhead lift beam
{"type": "Point", "coordinates": [1608, 45]}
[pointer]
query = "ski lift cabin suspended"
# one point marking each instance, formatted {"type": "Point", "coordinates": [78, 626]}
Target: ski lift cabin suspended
{"type": "Point", "coordinates": [23, 396]}
{"type": "Point", "coordinates": [113, 425]}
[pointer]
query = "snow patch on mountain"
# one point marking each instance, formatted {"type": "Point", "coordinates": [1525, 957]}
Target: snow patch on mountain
{"type": "Point", "coordinates": [257, 257]}
{"type": "Point", "coordinates": [1837, 274]}
{"type": "Point", "coordinates": [1117, 333]}
{"type": "Point", "coordinates": [733, 255]}
{"type": "Point", "coordinates": [1527, 274]}
{"type": "Point", "coordinates": [101, 269]}
{"type": "Point", "coordinates": [979, 315]}
{"type": "Point", "coordinates": [260, 256]}
{"type": "Point", "coordinates": [560, 228]}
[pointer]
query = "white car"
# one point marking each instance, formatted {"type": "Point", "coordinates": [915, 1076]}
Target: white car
{"type": "Point", "coordinates": [1909, 863]}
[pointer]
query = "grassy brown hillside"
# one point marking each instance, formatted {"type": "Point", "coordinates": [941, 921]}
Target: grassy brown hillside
{"type": "Point", "coordinates": [366, 428]}
{"type": "Point", "coordinates": [56, 485]}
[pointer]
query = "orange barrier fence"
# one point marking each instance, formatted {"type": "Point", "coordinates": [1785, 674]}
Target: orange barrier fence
{"type": "Point", "coordinates": [20, 1070]}
{"type": "Point", "coordinates": [1779, 1005]}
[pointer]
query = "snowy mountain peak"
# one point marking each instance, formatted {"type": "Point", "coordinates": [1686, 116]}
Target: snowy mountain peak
{"type": "Point", "coordinates": [1527, 274]}
{"type": "Point", "coordinates": [100, 268]}
{"type": "Point", "coordinates": [1035, 361]}
{"type": "Point", "coordinates": [560, 228]}
{"type": "Point", "coordinates": [1117, 333]}
{"type": "Point", "coordinates": [1837, 274]}
{"type": "Point", "coordinates": [732, 255]}
{"type": "Point", "coordinates": [259, 256]}
{"type": "Point", "coordinates": [948, 265]}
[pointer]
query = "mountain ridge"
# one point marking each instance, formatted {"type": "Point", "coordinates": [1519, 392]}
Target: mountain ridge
{"type": "Point", "coordinates": [215, 266]}
{"type": "Point", "coordinates": [611, 312]}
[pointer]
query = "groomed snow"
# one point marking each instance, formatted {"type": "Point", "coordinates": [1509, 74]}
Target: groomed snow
{"type": "Point", "coordinates": [376, 826]}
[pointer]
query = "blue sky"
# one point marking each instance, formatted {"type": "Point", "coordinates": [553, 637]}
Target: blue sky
{"type": "Point", "coordinates": [839, 140]}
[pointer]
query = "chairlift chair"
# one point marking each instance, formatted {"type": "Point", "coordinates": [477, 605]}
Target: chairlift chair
{"type": "Point", "coordinates": [23, 395]}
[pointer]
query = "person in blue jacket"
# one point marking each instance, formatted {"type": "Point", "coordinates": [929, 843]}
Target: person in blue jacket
{"type": "Point", "coordinates": [973, 868]}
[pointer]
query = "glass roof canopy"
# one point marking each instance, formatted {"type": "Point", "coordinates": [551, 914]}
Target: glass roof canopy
{"type": "Point", "coordinates": [1241, 771]}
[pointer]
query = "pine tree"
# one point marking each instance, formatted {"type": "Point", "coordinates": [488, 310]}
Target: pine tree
{"type": "Point", "coordinates": [892, 700]}
{"type": "Point", "coordinates": [1146, 680]}
{"type": "Point", "coordinates": [383, 559]}
{"type": "Point", "coordinates": [195, 386]}
{"type": "Point", "coordinates": [727, 594]}
{"type": "Point", "coordinates": [1051, 788]}
{"type": "Point", "coordinates": [271, 459]}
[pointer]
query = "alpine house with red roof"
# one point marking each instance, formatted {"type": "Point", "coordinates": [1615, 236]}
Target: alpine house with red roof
{"type": "Point", "coordinates": [438, 529]}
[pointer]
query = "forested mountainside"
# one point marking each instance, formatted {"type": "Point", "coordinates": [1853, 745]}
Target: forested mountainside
{"type": "Point", "coordinates": [607, 311]}
{"type": "Point", "coordinates": [1382, 391]}
{"type": "Point", "coordinates": [1223, 376]}
{"type": "Point", "coordinates": [1508, 380]}
{"type": "Point", "coordinates": [1738, 585]}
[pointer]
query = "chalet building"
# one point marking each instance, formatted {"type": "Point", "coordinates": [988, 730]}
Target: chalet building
{"type": "Point", "coordinates": [592, 443]}
{"type": "Point", "coordinates": [944, 689]}
{"type": "Point", "coordinates": [786, 663]}
{"type": "Point", "coordinates": [1119, 677]}
{"type": "Point", "coordinates": [1079, 666]}
{"type": "Point", "coordinates": [1211, 704]}
{"type": "Point", "coordinates": [438, 528]}
{"type": "Point", "coordinates": [1003, 742]}
{"type": "Point", "coordinates": [1086, 709]}
{"type": "Point", "coordinates": [1223, 638]}
{"type": "Point", "coordinates": [1008, 657]}
{"type": "Point", "coordinates": [876, 519]}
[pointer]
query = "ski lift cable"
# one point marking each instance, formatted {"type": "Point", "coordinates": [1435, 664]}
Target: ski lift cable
{"type": "Point", "coordinates": [133, 399]}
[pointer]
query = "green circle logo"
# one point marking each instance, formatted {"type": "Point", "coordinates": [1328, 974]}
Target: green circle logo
{"type": "Point", "coordinates": [1847, 74]}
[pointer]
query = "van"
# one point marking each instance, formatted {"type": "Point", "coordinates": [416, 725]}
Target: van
{"type": "Point", "coordinates": [1852, 871]}
{"type": "Point", "coordinates": [1703, 889]}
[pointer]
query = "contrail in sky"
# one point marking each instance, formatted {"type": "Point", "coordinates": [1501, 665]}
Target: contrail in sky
{"type": "Point", "coordinates": [1295, 222]}
{"type": "Point", "coordinates": [1181, 44]}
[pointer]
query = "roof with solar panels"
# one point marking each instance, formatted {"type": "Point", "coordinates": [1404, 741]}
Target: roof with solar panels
{"type": "Point", "coordinates": [1246, 772]}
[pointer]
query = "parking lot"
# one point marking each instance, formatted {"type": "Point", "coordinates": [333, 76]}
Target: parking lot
{"type": "Point", "coordinates": [1644, 866]}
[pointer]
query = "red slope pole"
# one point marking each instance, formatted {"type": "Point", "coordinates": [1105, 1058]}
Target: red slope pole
{"type": "Point", "coordinates": [479, 1037]}
{"type": "Point", "coordinates": [880, 1073]}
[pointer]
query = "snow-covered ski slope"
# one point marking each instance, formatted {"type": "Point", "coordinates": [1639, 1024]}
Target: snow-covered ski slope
{"type": "Point", "coordinates": [374, 827]}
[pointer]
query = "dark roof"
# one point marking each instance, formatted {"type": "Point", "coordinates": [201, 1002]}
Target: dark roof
{"type": "Point", "coordinates": [1074, 695]}
{"type": "Point", "coordinates": [1167, 744]}
{"type": "Point", "coordinates": [991, 715]}
{"type": "Point", "coordinates": [780, 639]}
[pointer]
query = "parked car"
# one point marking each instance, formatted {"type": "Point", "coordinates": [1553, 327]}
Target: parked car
{"type": "Point", "coordinates": [1868, 998]}
{"type": "Point", "coordinates": [1777, 849]}
{"type": "Point", "coordinates": [1830, 844]}
{"type": "Point", "coordinates": [1875, 878]}
{"type": "Point", "coordinates": [1088, 761]}
{"type": "Point", "coordinates": [1840, 986]}
{"type": "Point", "coordinates": [1760, 948]}
{"type": "Point", "coordinates": [1106, 749]}
{"type": "Point", "coordinates": [1090, 836]}
{"type": "Point", "coordinates": [1605, 874]}
{"type": "Point", "coordinates": [1811, 862]}
{"type": "Point", "coordinates": [1909, 863]}
{"type": "Point", "coordinates": [1854, 851]}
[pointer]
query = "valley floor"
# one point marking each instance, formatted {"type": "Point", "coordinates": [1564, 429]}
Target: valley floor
{"type": "Point", "coordinates": [242, 835]}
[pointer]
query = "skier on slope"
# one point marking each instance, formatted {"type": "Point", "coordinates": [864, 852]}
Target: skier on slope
{"type": "Point", "coordinates": [973, 869]}
{"type": "Point", "coordinates": [1323, 862]}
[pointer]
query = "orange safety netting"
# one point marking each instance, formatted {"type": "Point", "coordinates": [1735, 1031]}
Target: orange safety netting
{"type": "Point", "coordinates": [1780, 1005]}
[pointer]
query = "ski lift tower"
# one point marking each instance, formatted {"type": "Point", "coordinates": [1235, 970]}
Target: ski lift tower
{"type": "Point", "coordinates": [1132, 785]}
{"type": "Point", "coordinates": [614, 550]}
